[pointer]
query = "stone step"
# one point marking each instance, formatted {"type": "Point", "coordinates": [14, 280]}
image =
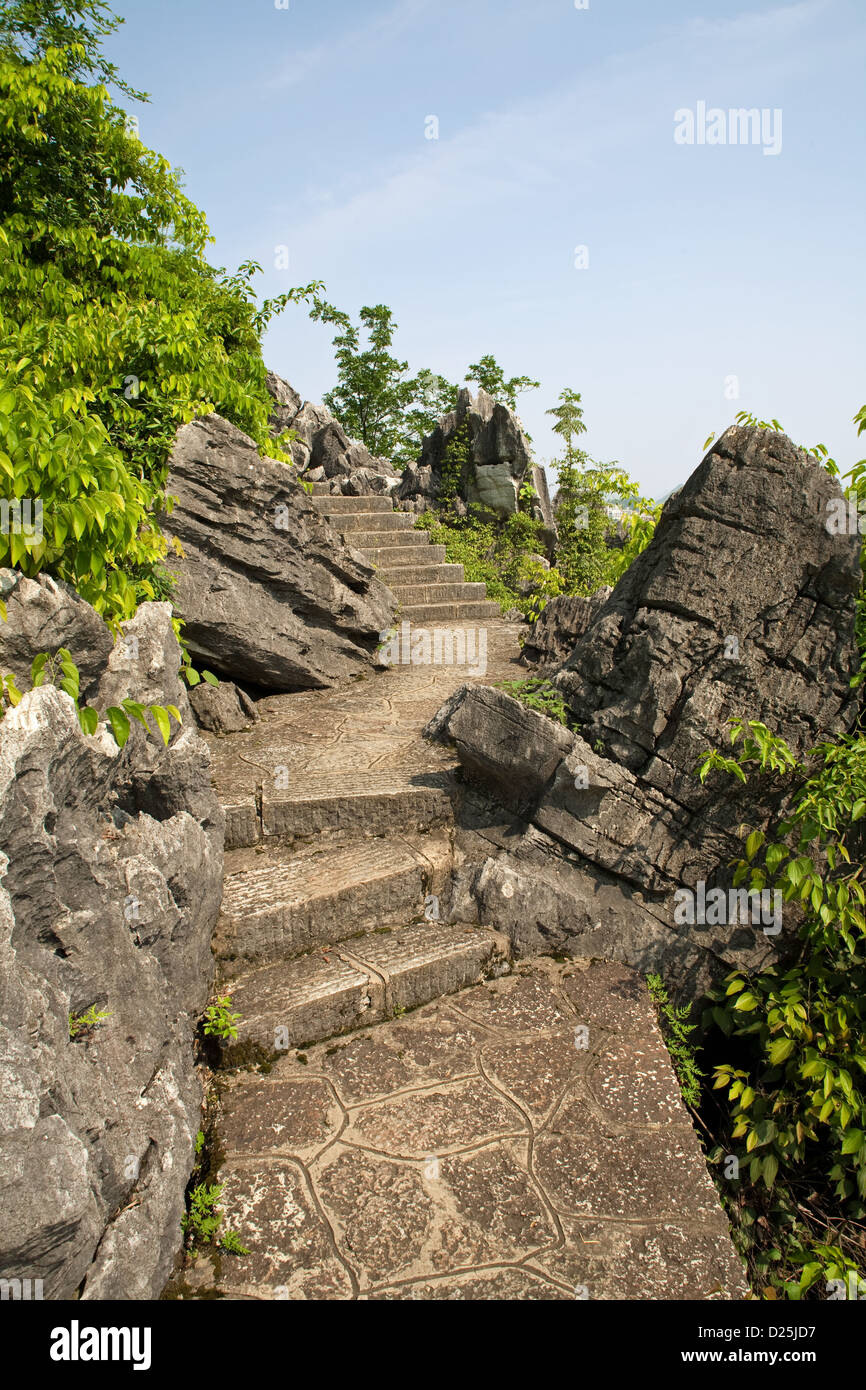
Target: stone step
{"type": "Point", "coordinates": [370, 520]}
{"type": "Point", "coordinates": [367, 979]}
{"type": "Point", "coordinates": [420, 574]}
{"type": "Point", "coordinates": [284, 905]}
{"type": "Point", "coordinates": [398, 555]}
{"type": "Point", "coordinates": [367, 803]}
{"type": "Point", "coordinates": [385, 541]}
{"type": "Point", "coordinates": [409, 594]}
{"type": "Point", "coordinates": [450, 612]}
{"type": "Point", "coordinates": [336, 506]}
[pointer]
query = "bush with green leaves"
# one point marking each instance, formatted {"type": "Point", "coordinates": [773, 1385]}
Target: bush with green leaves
{"type": "Point", "coordinates": [803, 1101]}
{"type": "Point", "coordinates": [489, 376]}
{"type": "Point", "coordinates": [219, 1021]}
{"type": "Point", "coordinates": [495, 553]}
{"type": "Point", "coordinates": [114, 329]}
{"type": "Point", "coordinates": [82, 1025]}
{"type": "Point", "coordinates": [586, 489]}
{"type": "Point", "coordinates": [797, 1091]}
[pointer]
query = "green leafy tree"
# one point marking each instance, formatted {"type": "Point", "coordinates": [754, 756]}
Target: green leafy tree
{"type": "Point", "coordinates": [28, 28]}
{"type": "Point", "coordinates": [569, 423]}
{"type": "Point", "coordinates": [375, 398]}
{"type": "Point", "coordinates": [374, 389]}
{"type": "Point", "coordinates": [488, 374]}
{"type": "Point", "coordinates": [114, 328]}
{"type": "Point", "coordinates": [586, 489]}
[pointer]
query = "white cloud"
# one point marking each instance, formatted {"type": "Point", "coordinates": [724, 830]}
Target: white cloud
{"type": "Point", "coordinates": [353, 44]}
{"type": "Point", "coordinates": [512, 162]}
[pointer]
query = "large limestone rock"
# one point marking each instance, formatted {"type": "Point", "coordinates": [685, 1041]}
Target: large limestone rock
{"type": "Point", "coordinates": [110, 884]}
{"type": "Point", "coordinates": [742, 605]}
{"type": "Point", "coordinates": [562, 621]}
{"type": "Point", "coordinates": [268, 592]}
{"type": "Point", "coordinates": [500, 460]}
{"type": "Point", "coordinates": [322, 449]}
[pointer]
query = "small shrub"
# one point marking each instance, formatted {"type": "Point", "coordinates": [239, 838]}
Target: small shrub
{"type": "Point", "coordinates": [219, 1022]}
{"type": "Point", "coordinates": [538, 694]}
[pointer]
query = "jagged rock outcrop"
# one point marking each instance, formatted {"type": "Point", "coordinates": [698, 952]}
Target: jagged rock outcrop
{"type": "Point", "coordinates": [110, 884]}
{"type": "Point", "coordinates": [322, 450]}
{"type": "Point", "coordinates": [268, 592]}
{"type": "Point", "coordinates": [42, 615]}
{"type": "Point", "coordinates": [498, 460]}
{"type": "Point", "coordinates": [743, 604]}
{"type": "Point", "coordinates": [555, 632]}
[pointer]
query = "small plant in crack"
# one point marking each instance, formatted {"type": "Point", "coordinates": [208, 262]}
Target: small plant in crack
{"type": "Point", "coordinates": [204, 1218]}
{"type": "Point", "coordinates": [219, 1022]}
{"type": "Point", "coordinates": [83, 1025]}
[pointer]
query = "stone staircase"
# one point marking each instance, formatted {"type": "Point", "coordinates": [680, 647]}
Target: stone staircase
{"type": "Point", "coordinates": [407, 1113]}
{"type": "Point", "coordinates": [428, 590]}
{"type": "Point", "coordinates": [338, 858]}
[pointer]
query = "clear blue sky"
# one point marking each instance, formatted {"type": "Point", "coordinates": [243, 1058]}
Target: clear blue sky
{"type": "Point", "coordinates": [305, 127]}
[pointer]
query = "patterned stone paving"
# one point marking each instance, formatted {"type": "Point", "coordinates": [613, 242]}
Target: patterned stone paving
{"type": "Point", "coordinates": [521, 1140]}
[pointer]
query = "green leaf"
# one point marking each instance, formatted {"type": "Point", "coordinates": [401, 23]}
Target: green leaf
{"type": "Point", "coordinates": [88, 719]}
{"type": "Point", "coordinates": [210, 677]}
{"type": "Point", "coordinates": [136, 711]}
{"type": "Point", "coordinates": [162, 721]}
{"type": "Point", "coordinates": [746, 1002]}
{"type": "Point", "coordinates": [781, 1049]}
{"type": "Point", "coordinates": [37, 669]}
{"type": "Point", "coordinates": [770, 1168]}
{"type": "Point", "coordinates": [753, 843]}
{"type": "Point", "coordinates": [119, 724]}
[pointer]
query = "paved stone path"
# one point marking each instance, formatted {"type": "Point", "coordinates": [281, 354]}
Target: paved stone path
{"type": "Point", "coordinates": [518, 1134]}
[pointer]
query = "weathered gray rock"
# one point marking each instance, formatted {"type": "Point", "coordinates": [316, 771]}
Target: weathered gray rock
{"type": "Point", "coordinates": [512, 749]}
{"type": "Point", "coordinates": [743, 603]}
{"type": "Point", "coordinates": [144, 664]}
{"type": "Point", "coordinates": [562, 621]}
{"type": "Point", "coordinates": [42, 615]}
{"type": "Point", "coordinates": [323, 450]}
{"type": "Point", "coordinates": [111, 865]}
{"type": "Point", "coordinates": [543, 507]}
{"type": "Point", "coordinates": [223, 708]}
{"type": "Point", "coordinates": [267, 590]}
{"type": "Point", "coordinates": [620, 824]}
{"type": "Point", "coordinates": [500, 459]}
